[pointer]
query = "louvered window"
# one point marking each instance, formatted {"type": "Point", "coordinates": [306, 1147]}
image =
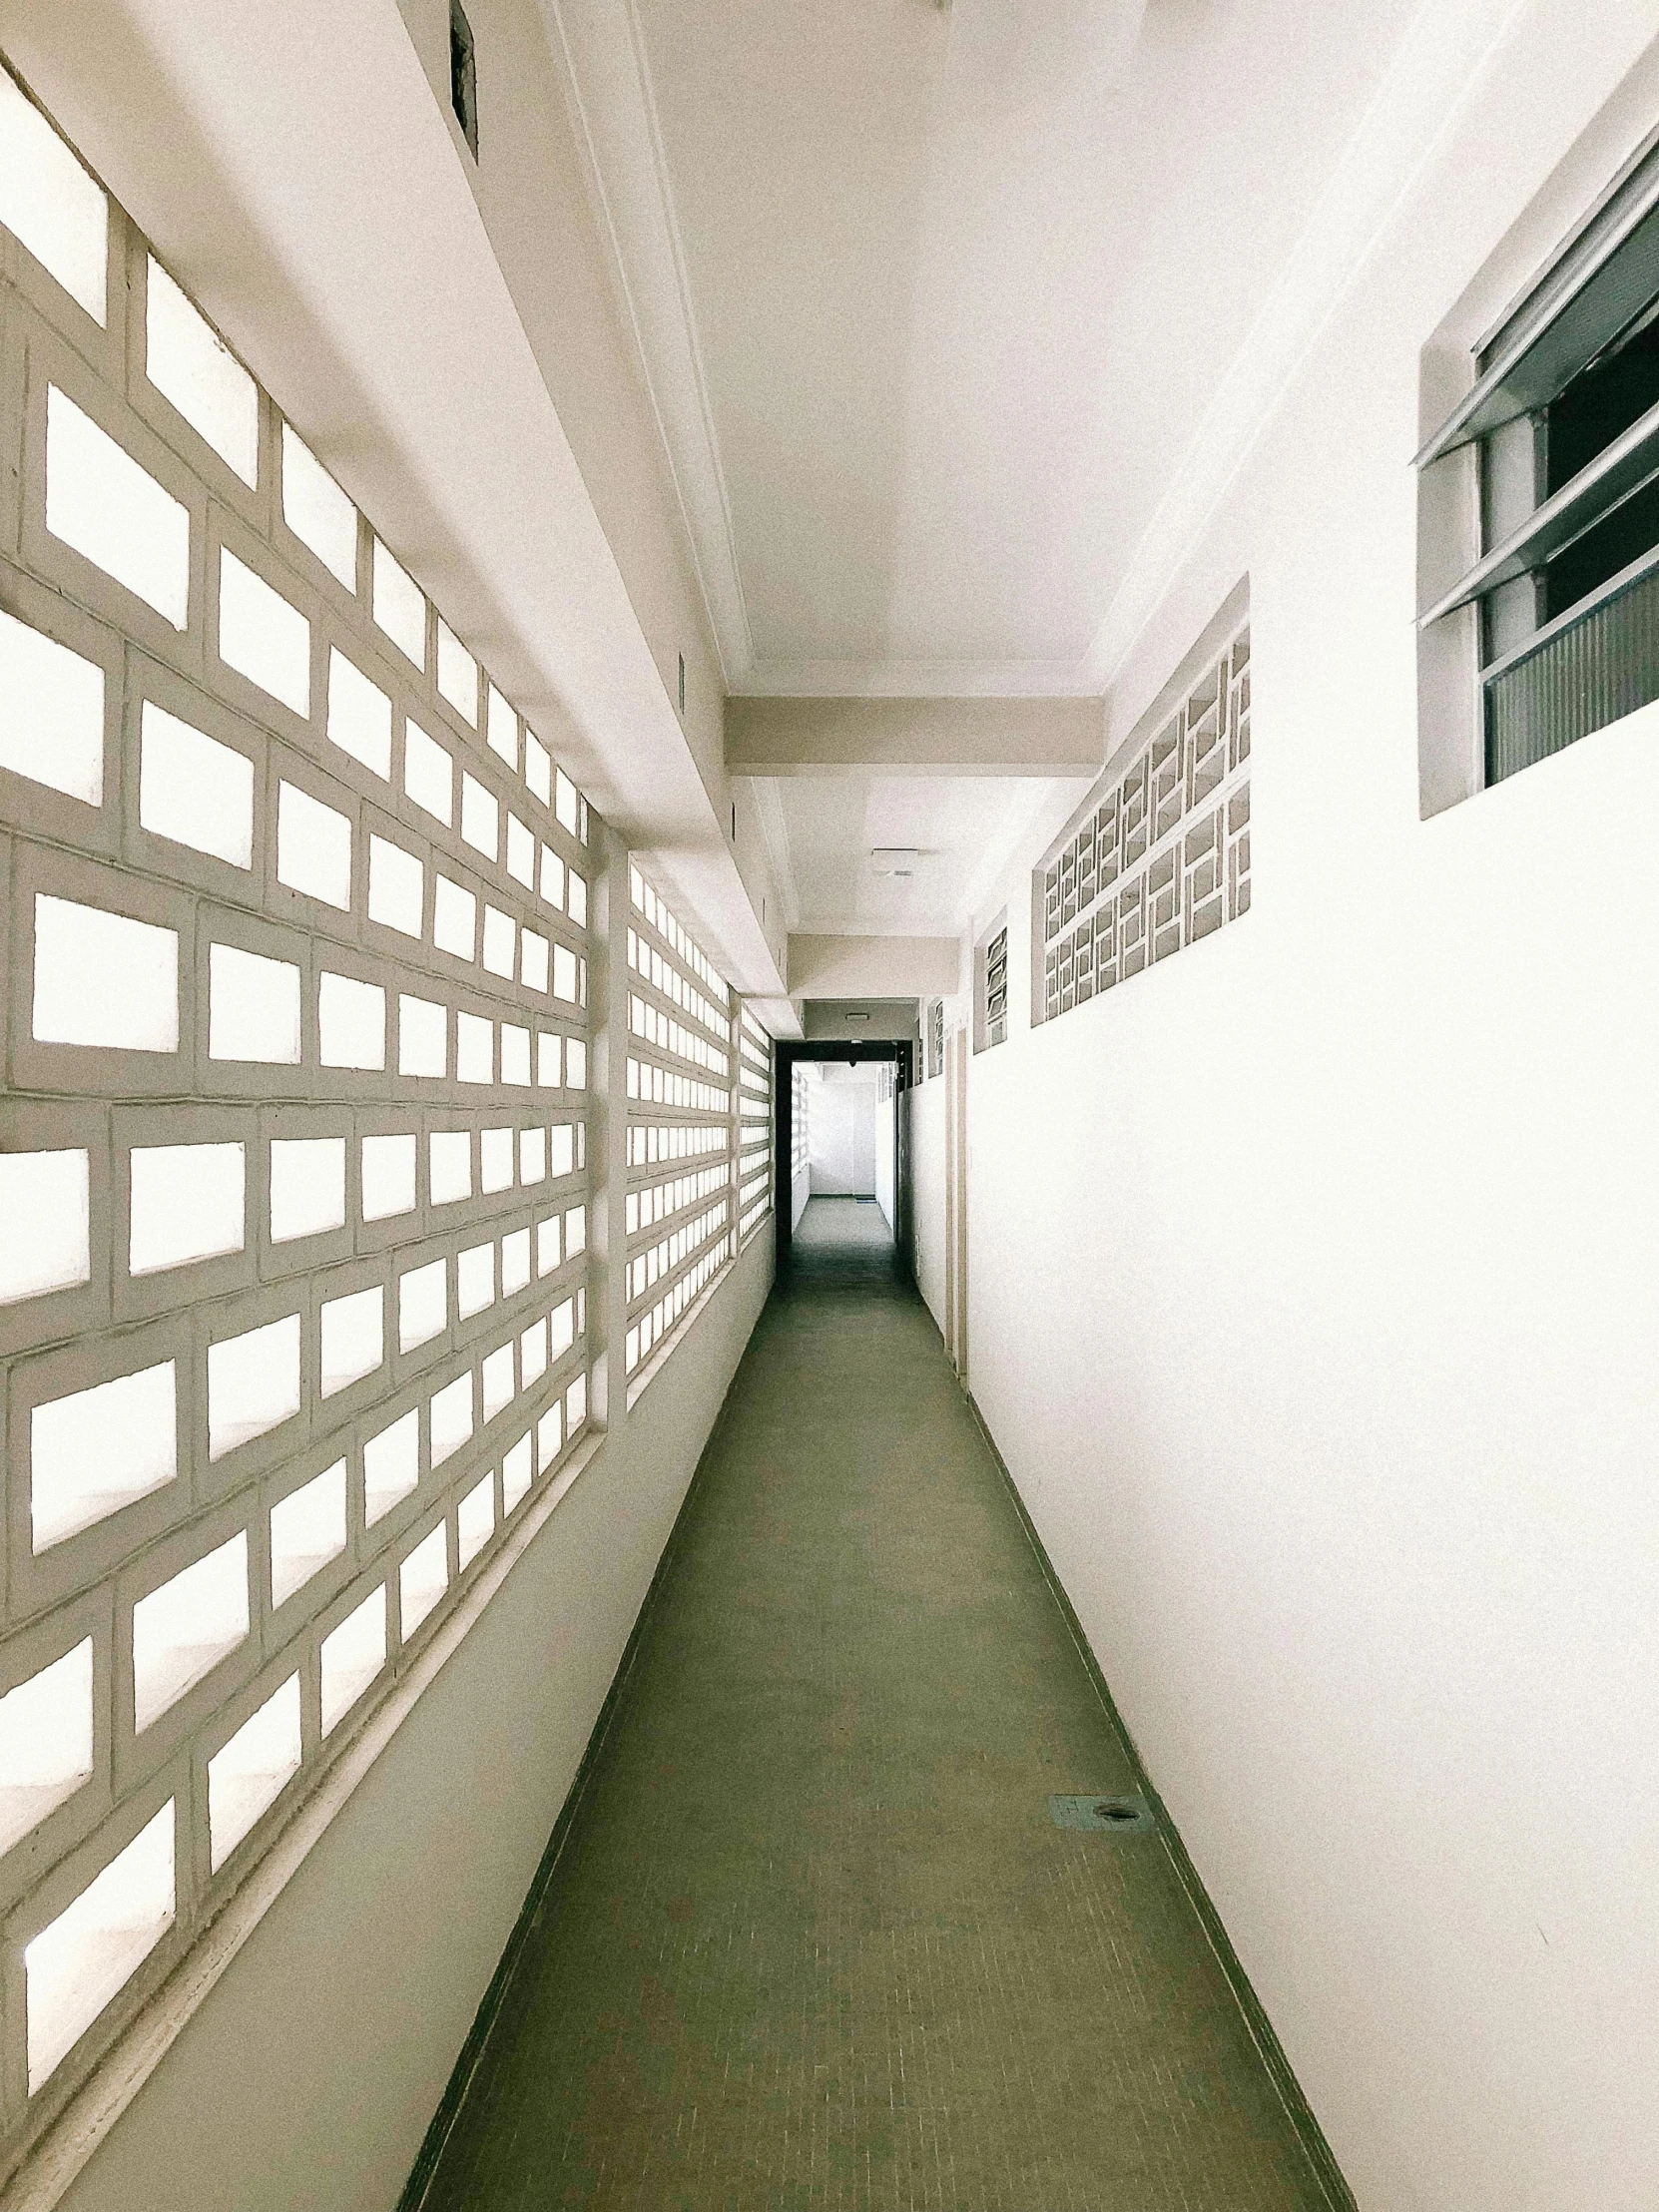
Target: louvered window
{"type": "Point", "coordinates": [1562, 419]}
{"type": "Point", "coordinates": [996, 987]}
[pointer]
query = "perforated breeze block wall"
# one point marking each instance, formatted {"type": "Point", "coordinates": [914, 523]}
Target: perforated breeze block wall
{"type": "Point", "coordinates": [754, 1155]}
{"type": "Point", "coordinates": [1161, 856]}
{"type": "Point", "coordinates": [293, 1194]}
{"type": "Point", "coordinates": [682, 1152]}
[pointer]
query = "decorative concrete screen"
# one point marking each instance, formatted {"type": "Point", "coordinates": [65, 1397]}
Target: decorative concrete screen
{"type": "Point", "coordinates": [293, 1148]}
{"type": "Point", "coordinates": [1161, 854]}
{"type": "Point", "coordinates": [754, 1126]}
{"type": "Point", "coordinates": [681, 1130]}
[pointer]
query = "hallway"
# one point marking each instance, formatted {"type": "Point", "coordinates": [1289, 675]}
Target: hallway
{"type": "Point", "coordinates": [815, 1939]}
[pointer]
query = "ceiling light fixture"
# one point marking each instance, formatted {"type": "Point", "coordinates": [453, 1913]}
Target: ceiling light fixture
{"type": "Point", "coordinates": [895, 859]}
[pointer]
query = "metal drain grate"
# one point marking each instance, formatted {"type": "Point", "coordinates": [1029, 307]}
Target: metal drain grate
{"type": "Point", "coordinates": [1107, 1816]}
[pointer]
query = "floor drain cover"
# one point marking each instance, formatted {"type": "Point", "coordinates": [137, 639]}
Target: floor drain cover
{"type": "Point", "coordinates": [1110, 1816]}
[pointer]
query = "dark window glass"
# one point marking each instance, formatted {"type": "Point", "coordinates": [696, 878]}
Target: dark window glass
{"type": "Point", "coordinates": [463, 75]}
{"type": "Point", "coordinates": [1602, 401]}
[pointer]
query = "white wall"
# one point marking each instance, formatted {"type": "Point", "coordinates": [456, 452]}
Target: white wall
{"type": "Point", "coordinates": [800, 1189]}
{"type": "Point", "coordinates": [309, 2074]}
{"type": "Point", "coordinates": [840, 1132]}
{"type": "Point", "coordinates": [925, 1107]}
{"type": "Point", "coordinates": [886, 1135]}
{"type": "Point", "coordinates": [1313, 1300]}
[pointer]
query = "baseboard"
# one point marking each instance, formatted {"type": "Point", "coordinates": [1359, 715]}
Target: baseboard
{"type": "Point", "coordinates": [442, 2124]}
{"type": "Point", "coordinates": [1296, 2108]}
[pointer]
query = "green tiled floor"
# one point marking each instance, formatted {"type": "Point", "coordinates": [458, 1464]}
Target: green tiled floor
{"type": "Point", "coordinates": [814, 1940]}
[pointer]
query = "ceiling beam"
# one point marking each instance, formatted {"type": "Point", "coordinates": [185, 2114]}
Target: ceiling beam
{"type": "Point", "coordinates": [870, 969]}
{"type": "Point", "coordinates": [915, 737]}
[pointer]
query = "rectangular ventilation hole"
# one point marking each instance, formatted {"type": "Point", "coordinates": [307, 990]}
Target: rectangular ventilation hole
{"type": "Point", "coordinates": [194, 791]}
{"type": "Point", "coordinates": [188, 1203]}
{"type": "Point", "coordinates": [253, 1385]}
{"type": "Point", "coordinates": [308, 1187]}
{"type": "Point", "coordinates": [388, 1170]}
{"type": "Point", "coordinates": [391, 1466]}
{"type": "Point", "coordinates": [53, 727]}
{"type": "Point", "coordinates": [252, 1007]}
{"type": "Point", "coordinates": [324, 520]}
{"type": "Point", "coordinates": [248, 1774]}
{"type": "Point", "coordinates": [114, 513]}
{"type": "Point", "coordinates": [423, 1304]}
{"type": "Point", "coordinates": [183, 1630]}
{"type": "Point", "coordinates": [50, 202]}
{"type": "Point", "coordinates": [46, 1740]}
{"type": "Point", "coordinates": [189, 364]}
{"type": "Point", "coordinates": [422, 1579]}
{"type": "Point", "coordinates": [351, 1657]}
{"type": "Point", "coordinates": [307, 1530]}
{"type": "Point", "coordinates": [261, 637]}
{"type": "Point", "coordinates": [104, 979]}
{"type": "Point", "coordinates": [475, 1519]}
{"type": "Point", "coordinates": [46, 1204]}
{"type": "Point", "coordinates": [352, 1339]}
{"type": "Point", "coordinates": [97, 1451]}
{"type": "Point", "coordinates": [77, 1964]}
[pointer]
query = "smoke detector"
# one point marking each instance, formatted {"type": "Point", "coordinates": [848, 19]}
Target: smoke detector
{"type": "Point", "coordinates": [895, 859]}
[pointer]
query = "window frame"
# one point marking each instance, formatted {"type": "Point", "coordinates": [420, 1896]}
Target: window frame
{"type": "Point", "coordinates": [1484, 534]}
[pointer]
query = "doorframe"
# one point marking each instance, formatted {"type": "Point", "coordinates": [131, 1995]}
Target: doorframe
{"type": "Point", "coordinates": [786, 1051]}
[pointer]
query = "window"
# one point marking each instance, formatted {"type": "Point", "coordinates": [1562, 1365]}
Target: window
{"type": "Point", "coordinates": [463, 75]}
{"type": "Point", "coordinates": [1545, 582]}
{"type": "Point", "coordinates": [991, 1008]}
{"type": "Point", "coordinates": [1158, 855]}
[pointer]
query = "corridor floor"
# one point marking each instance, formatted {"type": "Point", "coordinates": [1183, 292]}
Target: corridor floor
{"type": "Point", "coordinates": [814, 1940]}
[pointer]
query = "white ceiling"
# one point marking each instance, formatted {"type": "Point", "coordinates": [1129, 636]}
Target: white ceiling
{"type": "Point", "coordinates": [933, 302]}
{"type": "Point", "coordinates": [958, 283]}
{"type": "Point", "coordinates": [963, 830]}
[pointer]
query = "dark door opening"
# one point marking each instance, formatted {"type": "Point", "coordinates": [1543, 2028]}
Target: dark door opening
{"type": "Point", "coordinates": [846, 1215]}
